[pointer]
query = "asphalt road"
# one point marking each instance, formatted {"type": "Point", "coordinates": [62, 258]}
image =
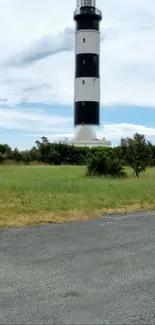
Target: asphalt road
{"type": "Point", "coordinates": [94, 272]}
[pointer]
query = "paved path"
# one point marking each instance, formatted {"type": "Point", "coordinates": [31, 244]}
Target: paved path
{"type": "Point", "coordinates": [95, 272]}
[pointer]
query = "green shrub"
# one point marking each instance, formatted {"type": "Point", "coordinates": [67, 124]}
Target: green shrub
{"type": "Point", "coordinates": [105, 164]}
{"type": "Point", "coordinates": [3, 158]}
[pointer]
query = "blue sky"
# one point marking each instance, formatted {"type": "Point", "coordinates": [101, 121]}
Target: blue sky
{"type": "Point", "coordinates": [37, 70]}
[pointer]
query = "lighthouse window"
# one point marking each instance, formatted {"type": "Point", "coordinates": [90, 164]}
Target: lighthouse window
{"type": "Point", "coordinates": [83, 81]}
{"type": "Point", "coordinates": [84, 40]}
{"type": "Point", "coordinates": [83, 62]}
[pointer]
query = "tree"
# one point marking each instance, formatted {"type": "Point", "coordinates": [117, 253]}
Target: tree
{"type": "Point", "coordinates": [5, 149]}
{"type": "Point", "coordinates": [3, 158]}
{"type": "Point", "coordinates": [25, 157]}
{"type": "Point", "coordinates": [35, 155]}
{"type": "Point", "coordinates": [16, 155]}
{"type": "Point", "coordinates": [53, 157]}
{"type": "Point", "coordinates": [43, 148]}
{"type": "Point", "coordinates": [152, 154]}
{"type": "Point", "coordinates": [136, 152]}
{"type": "Point", "coordinates": [104, 163]}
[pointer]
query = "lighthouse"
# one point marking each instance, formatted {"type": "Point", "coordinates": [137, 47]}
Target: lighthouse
{"type": "Point", "coordinates": [87, 74]}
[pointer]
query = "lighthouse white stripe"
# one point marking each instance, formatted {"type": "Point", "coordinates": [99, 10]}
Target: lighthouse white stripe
{"type": "Point", "coordinates": [87, 41]}
{"type": "Point", "coordinates": [87, 89]}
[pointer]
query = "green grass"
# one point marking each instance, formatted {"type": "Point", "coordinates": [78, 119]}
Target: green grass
{"type": "Point", "coordinates": [37, 194]}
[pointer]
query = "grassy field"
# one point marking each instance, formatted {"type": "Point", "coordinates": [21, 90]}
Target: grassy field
{"type": "Point", "coordinates": [37, 194]}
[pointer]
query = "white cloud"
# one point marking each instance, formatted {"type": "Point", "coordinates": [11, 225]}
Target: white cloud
{"type": "Point", "coordinates": [44, 47]}
{"type": "Point", "coordinates": [117, 131]}
{"type": "Point", "coordinates": [37, 32]}
{"type": "Point", "coordinates": [112, 132]}
{"type": "Point", "coordinates": [31, 120]}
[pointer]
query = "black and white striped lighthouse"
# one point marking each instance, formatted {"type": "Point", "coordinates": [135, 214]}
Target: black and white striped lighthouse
{"type": "Point", "coordinates": [87, 70]}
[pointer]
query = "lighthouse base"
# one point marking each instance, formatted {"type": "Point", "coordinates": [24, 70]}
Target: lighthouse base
{"type": "Point", "coordinates": [90, 144]}
{"type": "Point", "coordinates": [85, 136]}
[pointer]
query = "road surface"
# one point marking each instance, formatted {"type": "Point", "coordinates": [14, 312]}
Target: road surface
{"type": "Point", "coordinates": [91, 272]}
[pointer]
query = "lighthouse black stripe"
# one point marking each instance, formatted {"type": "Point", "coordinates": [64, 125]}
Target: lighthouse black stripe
{"type": "Point", "coordinates": [87, 65]}
{"type": "Point", "coordinates": [86, 16]}
{"type": "Point", "coordinates": [87, 24]}
{"type": "Point", "coordinates": [89, 11]}
{"type": "Point", "coordinates": [86, 113]}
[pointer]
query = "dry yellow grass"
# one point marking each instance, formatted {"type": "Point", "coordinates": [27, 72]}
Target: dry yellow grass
{"type": "Point", "coordinates": [42, 194]}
